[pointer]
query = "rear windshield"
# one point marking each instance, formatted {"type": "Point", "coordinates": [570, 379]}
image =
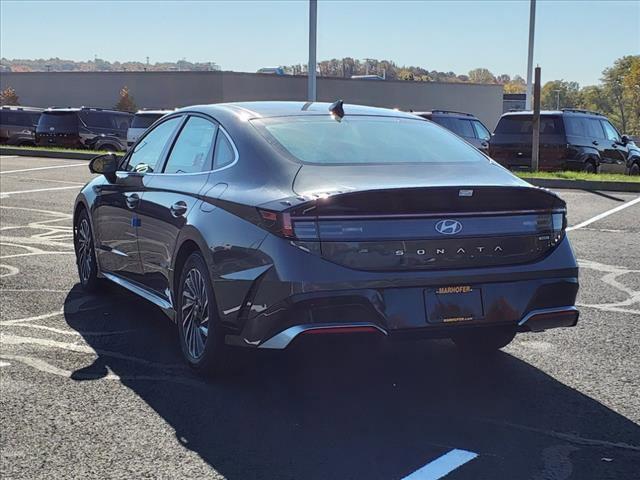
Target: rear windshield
{"type": "Point", "coordinates": [522, 124]}
{"type": "Point", "coordinates": [145, 120]}
{"type": "Point", "coordinates": [18, 118]}
{"type": "Point", "coordinates": [68, 120]}
{"type": "Point", "coordinates": [366, 139]}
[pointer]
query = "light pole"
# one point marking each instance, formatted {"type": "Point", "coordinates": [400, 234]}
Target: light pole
{"type": "Point", "coordinates": [311, 69]}
{"type": "Point", "coordinates": [532, 28]}
{"type": "Point", "coordinates": [557, 99]}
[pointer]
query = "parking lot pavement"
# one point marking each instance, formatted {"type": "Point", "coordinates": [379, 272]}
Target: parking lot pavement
{"type": "Point", "coordinates": [93, 386]}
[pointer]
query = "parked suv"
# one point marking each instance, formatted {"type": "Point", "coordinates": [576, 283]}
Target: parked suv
{"type": "Point", "coordinates": [570, 139]}
{"type": "Point", "coordinates": [464, 125]}
{"type": "Point", "coordinates": [18, 125]}
{"type": "Point", "coordinates": [92, 128]}
{"type": "Point", "coordinates": [142, 120]}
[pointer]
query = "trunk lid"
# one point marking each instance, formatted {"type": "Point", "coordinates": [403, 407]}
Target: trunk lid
{"type": "Point", "coordinates": [379, 220]}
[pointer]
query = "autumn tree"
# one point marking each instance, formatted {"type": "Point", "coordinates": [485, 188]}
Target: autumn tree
{"type": "Point", "coordinates": [8, 96]}
{"type": "Point", "coordinates": [481, 75]}
{"type": "Point", "coordinates": [126, 103]}
{"type": "Point", "coordinates": [560, 94]}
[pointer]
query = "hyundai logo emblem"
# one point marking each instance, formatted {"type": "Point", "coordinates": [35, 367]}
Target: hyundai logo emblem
{"type": "Point", "coordinates": [448, 227]}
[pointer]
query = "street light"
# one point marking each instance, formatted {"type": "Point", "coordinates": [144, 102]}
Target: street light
{"type": "Point", "coordinates": [311, 70]}
{"type": "Point", "coordinates": [532, 27]}
{"type": "Point", "coordinates": [557, 99]}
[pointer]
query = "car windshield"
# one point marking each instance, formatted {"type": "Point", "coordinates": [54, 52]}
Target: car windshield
{"type": "Point", "coordinates": [145, 120]}
{"type": "Point", "coordinates": [522, 125]}
{"type": "Point", "coordinates": [58, 120]}
{"type": "Point", "coordinates": [366, 140]}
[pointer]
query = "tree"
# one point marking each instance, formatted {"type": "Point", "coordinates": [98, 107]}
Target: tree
{"type": "Point", "coordinates": [8, 96]}
{"type": "Point", "coordinates": [560, 94]}
{"type": "Point", "coordinates": [515, 85]}
{"type": "Point", "coordinates": [621, 83]}
{"type": "Point", "coordinates": [481, 75]}
{"type": "Point", "coordinates": [126, 103]}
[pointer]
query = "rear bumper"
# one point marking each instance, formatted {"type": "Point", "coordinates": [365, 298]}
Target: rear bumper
{"type": "Point", "coordinates": [535, 321]}
{"type": "Point", "coordinates": [310, 295]}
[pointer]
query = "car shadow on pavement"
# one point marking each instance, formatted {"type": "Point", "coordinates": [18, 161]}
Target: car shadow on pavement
{"type": "Point", "coordinates": [332, 408]}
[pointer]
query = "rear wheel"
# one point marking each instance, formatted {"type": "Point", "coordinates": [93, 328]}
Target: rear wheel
{"type": "Point", "coordinates": [635, 169]}
{"type": "Point", "coordinates": [590, 167]}
{"type": "Point", "coordinates": [85, 253]}
{"type": "Point", "coordinates": [484, 341]}
{"type": "Point", "coordinates": [108, 147]}
{"type": "Point", "coordinates": [201, 338]}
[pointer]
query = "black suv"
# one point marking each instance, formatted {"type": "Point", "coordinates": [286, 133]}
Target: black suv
{"type": "Point", "coordinates": [464, 125]}
{"type": "Point", "coordinates": [84, 127]}
{"type": "Point", "coordinates": [18, 125]}
{"type": "Point", "coordinates": [570, 139]}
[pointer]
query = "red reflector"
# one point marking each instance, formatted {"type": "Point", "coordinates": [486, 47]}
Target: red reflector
{"type": "Point", "coordinates": [331, 330]}
{"type": "Point", "coordinates": [270, 216]}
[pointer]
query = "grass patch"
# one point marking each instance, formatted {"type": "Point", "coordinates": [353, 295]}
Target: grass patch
{"type": "Point", "coordinates": [594, 177]}
{"type": "Point", "coordinates": [59, 149]}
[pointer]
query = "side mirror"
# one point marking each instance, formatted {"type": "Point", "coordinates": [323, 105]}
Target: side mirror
{"type": "Point", "coordinates": [624, 139]}
{"type": "Point", "coordinates": [106, 165]}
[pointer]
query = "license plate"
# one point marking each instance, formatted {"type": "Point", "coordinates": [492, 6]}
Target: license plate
{"type": "Point", "coordinates": [453, 304]}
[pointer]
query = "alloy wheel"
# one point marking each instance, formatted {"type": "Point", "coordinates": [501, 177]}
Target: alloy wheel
{"type": "Point", "coordinates": [195, 313]}
{"type": "Point", "coordinates": [85, 251]}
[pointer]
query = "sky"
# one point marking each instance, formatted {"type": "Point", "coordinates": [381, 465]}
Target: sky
{"type": "Point", "coordinates": [575, 40]}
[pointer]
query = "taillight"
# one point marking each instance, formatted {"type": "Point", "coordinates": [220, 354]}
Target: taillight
{"type": "Point", "coordinates": [559, 223]}
{"type": "Point", "coordinates": [277, 222]}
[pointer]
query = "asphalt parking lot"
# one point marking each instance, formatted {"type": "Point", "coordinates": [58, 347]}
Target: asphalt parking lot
{"type": "Point", "coordinates": [94, 386]}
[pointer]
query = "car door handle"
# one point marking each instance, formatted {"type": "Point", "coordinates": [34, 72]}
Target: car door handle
{"type": "Point", "coordinates": [132, 200]}
{"type": "Point", "coordinates": [178, 209]}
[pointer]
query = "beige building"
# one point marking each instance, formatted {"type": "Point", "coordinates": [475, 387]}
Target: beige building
{"type": "Point", "coordinates": [176, 89]}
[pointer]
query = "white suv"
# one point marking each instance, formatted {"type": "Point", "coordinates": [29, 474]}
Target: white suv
{"type": "Point", "coordinates": [142, 120]}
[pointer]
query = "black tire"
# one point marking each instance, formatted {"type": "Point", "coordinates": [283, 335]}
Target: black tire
{"type": "Point", "coordinates": [108, 147]}
{"type": "Point", "coordinates": [635, 169]}
{"type": "Point", "coordinates": [205, 352]}
{"type": "Point", "coordinates": [85, 253]}
{"type": "Point", "coordinates": [590, 167]}
{"type": "Point", "coordinates": [484, 341]}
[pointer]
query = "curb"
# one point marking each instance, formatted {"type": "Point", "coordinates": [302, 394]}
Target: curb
{"type": "Point", "coordinates": [553, 183]}
{"type": "Point", "coordinates": [48, 153]}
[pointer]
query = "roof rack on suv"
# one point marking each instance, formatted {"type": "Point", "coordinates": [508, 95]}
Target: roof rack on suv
{"type": "Point", "coordinates": [579, 110]}
{"type": "Point", "coordinates": [21, 108]}
{"type": "Point", "coordinates": [452, 111]}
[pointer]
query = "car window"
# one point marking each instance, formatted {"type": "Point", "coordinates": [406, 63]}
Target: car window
{"type": "Point", "coordinates": [58, 122]}
{"type": "Point", "coordinates": [146, 154]}
{"type": "Point", "coordinates": [122, 122]}
{"type": "Point", "coordinates": [23, 119]}
{"type": "Point", "coordinates": [458, 126]}
{"type": "Point", "coordinates": [192, 150]}
{"type": "Point", "coordinates": [583, 127]}
{"type": "Point", "coordinates": [145, 120]}
{"type": "Point", "coordinates": [225, 154]}
{"type": "Point", "coordinates": [610, 132]}
{"type": "Point", "coordinates": [481, 131]}
{"type": "Point", "coordinates": [97, 119]}
{"type": "Point", "coordinates": [522, 125]}
{"type": "Point", "coordinates": [366, 140]}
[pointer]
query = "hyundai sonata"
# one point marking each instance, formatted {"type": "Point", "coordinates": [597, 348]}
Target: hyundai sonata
{"type": "Point", "coordinates": [252, 224]}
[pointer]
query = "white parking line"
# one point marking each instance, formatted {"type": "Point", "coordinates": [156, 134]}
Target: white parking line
{"type": "Point", "coordinates": [6, 194]}
{"type": "Point", "coordinates": [604, 214]}
{"type": "Point", "coordinates": [42, 168]}
{"type": "Point", "coordinates": [443, 465]}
